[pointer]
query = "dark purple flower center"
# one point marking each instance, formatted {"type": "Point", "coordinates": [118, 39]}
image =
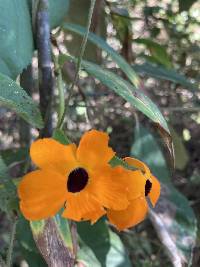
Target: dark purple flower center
{"type": "Point", "coordinates": [148, 187]}
{"type": "Point", "coordinates": [77, 180]}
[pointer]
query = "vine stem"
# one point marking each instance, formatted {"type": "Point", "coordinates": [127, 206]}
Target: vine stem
{"type": "Point", "coordinates": [44, 65]}
{"type": "Point", "coordinates": [11, 244]}
{"type": "Point", "coordinates": [60, 85]}
{"type": "Point", "coordinates": [82, 50]}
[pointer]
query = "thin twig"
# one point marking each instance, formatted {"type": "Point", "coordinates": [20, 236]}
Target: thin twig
{"type": "Point", "coordinates": [11, 244]}
{"type": "Point", "coordinates": [60, 85]}
{"type": "Point", "coordinates": [82, 50]}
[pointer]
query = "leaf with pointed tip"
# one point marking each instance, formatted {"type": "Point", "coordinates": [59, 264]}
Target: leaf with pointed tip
{"type": "Point", "coordinates": [61, 137]}
{"type": "Point", "coordinates": [160, 72]}
{"type": "Point", "coordinates": [123, 88]}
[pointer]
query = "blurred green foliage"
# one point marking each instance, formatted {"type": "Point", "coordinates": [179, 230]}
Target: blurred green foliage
{"type": "Point", "coordinates": [143, 50]}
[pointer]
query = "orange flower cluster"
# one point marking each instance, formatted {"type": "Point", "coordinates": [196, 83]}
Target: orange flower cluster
{"type": "Point", "coordinates": [80, 180]}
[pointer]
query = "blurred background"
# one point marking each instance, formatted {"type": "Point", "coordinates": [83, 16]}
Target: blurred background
{"type": "Point", "coordinates": [160, 40]}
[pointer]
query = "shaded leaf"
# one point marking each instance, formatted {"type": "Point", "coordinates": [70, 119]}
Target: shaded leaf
{"type": "Point", "coordinates": [181, 155]}
{"type": "Point", "coordinates": [57, 11]}
{"type": "Point", "coordinates": [3, 170]}
{"type": "Point", "coordinates": [61, 137]}
{"type": "Point", "coordinates": [185, 5]}
{"type": "Point", "coordinates": [14, 97]}
{"type": "Point", "coordinates": [27, 244]}
{"type": "Point", "coordinates": [123, 88]}
{"type": "Point", "coordinates": [13, 155]}
{"type": "Point", "coordinates": [160, 72]}
{"type": "Point", "coordinates": [98, 41]}
{"type": "Point", "coordinates": [158, 52]}
{"type": "Point", "coordinates": [106, 245]}
{"type": "Point", "coordinates": [16, 42]}
{"type": "Point", "coordinates": [173, 218]}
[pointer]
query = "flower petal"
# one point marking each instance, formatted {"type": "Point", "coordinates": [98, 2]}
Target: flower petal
{"type": "Point", "coordinates": [48, 153]}
{"type": "Point", "coordinates": [93, 150]}
{"type": "Point", "coordinates": [155, 190]}
{"type": "Point", "coordinates": [136, 184]}
{"type": "Point", "coordinates": [42, 193]}
{"type": "Point", "coordinates": [134, 214]}
{"type": "Point", "coordinates": [82, 206]}
{"type": "Point", "coordinates": [138, 164]}
{"type": "Point", "coordinates": [109, 188]}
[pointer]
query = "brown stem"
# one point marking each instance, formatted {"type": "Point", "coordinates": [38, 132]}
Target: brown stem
{"type": "Point", "coordinates": [52, 247]}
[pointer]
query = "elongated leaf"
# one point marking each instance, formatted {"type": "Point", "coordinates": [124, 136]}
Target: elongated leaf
{"type": "Point", "coordinates": [16, 42]}
{"type": "Point", "coordinates": [14, 97]}
{"type": "Point", "coordinates": [106, 245]}
{"type": "Point", "coordinates": [181, 154]}
{"type": "Point", "coordinates": [173, 218]}
{"type": "Point", "coordinates": [120, 61]}
{"type": "Point", "coordinates": [158, 52]}
{"type": "Point", "coordinates": [160, 72]}
{"type": "Point", "coordinates": [123, 88]}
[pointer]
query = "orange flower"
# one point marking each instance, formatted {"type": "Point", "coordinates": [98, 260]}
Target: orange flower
{"type": "Point", "coordinates": [79, 179]}
{"type": "Point", "coordinates": [147, 186]}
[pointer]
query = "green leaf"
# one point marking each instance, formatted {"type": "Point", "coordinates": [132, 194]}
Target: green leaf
{"type": "Point", "coordinates": [123, 88]}
{"type": "Point", "coordinates": [16, 42]}
{"type": "Point", "coordinates": [181, 154]}
{"type": "Point", "coordinates": [160, 72]}
{"type": "Point", "coordinates": [115, 161]}
{"type": "Point", "coordinates": [185, 5]}
{"type": "Point", "coordinates": [61, 137]}
{"type": "Point", "coordinates": [173, 218]}
{"type": "Point", "coordinates": [14, 97]}
{"type": "Point", "coordinates": [106, 245]}
{"type": "Point", "coordinates": [27, 245]}
{"type": "Point", "coordinates": [158, 52]}
{"type": "Point", "coordinates": [57, 11]}
{"type": "Point", "coordinates": [14, 155]}
{"type": "Point", "coordinates": [3, 170]}
{"type": "Point", "coordinates": [120, 61]}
